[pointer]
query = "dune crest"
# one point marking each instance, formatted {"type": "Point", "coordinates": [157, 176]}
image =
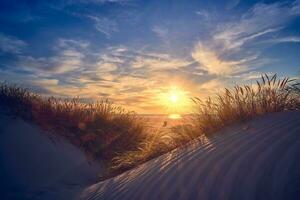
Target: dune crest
{"type": "Point", "coordinates": [255, 160]}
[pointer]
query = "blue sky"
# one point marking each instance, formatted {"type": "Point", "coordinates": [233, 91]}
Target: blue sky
{"type": "Point", "coordinates": [132, 51]}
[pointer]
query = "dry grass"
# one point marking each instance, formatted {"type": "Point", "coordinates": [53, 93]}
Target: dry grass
{"type": "Point", "coordinates": [156, 144]}
{"type": "Point", "coordinates": [101, 129]}
{"type": "Point", "coordinates": [233, 106]}
{"type": "Point", "coordinates": [245, 102]}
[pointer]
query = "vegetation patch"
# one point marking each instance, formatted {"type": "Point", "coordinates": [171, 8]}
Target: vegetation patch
{"type": "Point", "coordinates": [101, 129]}
{"type": "Point", "coordinates": [123, 139]}
{"type": "Point", "coordinates": [236, 105]}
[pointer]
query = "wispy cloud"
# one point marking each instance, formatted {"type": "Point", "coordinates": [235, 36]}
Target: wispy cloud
{"type": "Point", "coordinates": [232, 3]}
{"type": "Point", "coordinates": [226, 52]}
{"type": "Point", "coordinates": [158, 63]}
{"type": "Point", "coordinates": [212, 86]}
{"type": "Point", "coordinates": [203, 13]}
{"type": "Point", "coordinates": [119, 73]}
{"type": "Point", "coordinates": [292, 39]}
{"type": "Point", "coordinates": [235, 42]}
{"type": "Point", "coordinates": [9, 44]}
{"type": "Point", "coordinates": [104, 25]}
{"type": "Point", "coordinates": [196, 48]}
{"type": "Point", "coordinates": [211, 61]}
{"type": "Point", "coordinates": [260, 20]}
{"type": "Point", "coordinates": [69, 43]}
{"type": "Point", "coordinates": [66, 61]}
{"type": "Point", "coordinates": [160, 31]}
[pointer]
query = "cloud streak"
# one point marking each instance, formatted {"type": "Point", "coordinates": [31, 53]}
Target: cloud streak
{"type": "Point", "coordinates": [132, 56]}
{"type": "Point", "coordinates": [227, 53]}
{"type": "Point", "coordinates": [104, 25]}
{"type": "Point", "coordinates": [9, 44]}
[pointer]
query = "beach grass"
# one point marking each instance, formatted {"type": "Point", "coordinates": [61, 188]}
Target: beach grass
{"type": "Point", "coordinates": [108, 132]}
{"type": "Point", "coordinates": [101, 129]}
{"type": "Point", "coordinates": [242, 103]}
{"type": "Point", "coordinates": [236, 105]}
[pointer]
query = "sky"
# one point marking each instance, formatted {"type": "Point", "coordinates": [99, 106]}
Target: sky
{"type": "Point", "coordinates": [135, 53]}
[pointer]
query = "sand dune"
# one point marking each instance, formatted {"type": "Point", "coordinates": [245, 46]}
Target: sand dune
{"type": "Point", "coordinates": [257, 160]}
{"type": "Point", "coordinates": [34, 167]}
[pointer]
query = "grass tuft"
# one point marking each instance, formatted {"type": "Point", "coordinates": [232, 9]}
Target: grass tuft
{"type": "Point", "coordinates": [106, 131]}
{"type": "Point", "coordinates": [245, 102]}
{"type": "Point", "coordinates": [101, 129]}
{"type": "Point", "coordinates": [234, 105]}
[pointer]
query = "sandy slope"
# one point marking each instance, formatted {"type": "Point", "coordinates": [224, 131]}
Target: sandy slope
{"type": "Point", "coordinates": [259, 160]}
{"type": "Point", "coordinates": [34, 167]}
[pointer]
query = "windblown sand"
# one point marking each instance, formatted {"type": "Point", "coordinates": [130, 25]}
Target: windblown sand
{"type": "Point", "coordinates": [35, 167]}
{"type": "Point", "coordinates": [254, 160]}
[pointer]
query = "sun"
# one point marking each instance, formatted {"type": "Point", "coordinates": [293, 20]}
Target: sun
{"type": "Point", "coordinates": [175, 101]}
{"type": "Point", "coordinates": [174, 98]}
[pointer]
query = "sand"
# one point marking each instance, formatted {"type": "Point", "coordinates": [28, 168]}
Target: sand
{"type": "Point", "coordinates": [254, 160]}
{"type": "Point", "coordinates": [32, 166]}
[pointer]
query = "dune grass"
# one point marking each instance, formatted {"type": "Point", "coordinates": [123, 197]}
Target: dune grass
{"type": "Point", "coordinates": [124, 140]}
{"type": "Point", "coordinates": [245, 102]}
{"type": "Point", "coordinates": [236, 105]}
{"type": "Point", "coordinates": [101, 129]}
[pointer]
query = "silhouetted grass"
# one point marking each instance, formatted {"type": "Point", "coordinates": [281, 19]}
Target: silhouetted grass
{"type": "Point", "coordinates": [268, 95]}
{"type": "Point", "coordinates": [106, 131]}
{"type": "Point", "coordinates": [101, 129]}
{"type": "Point", "coordinates": [233, 106]}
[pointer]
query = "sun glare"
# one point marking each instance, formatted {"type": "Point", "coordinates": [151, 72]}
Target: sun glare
{"type": "Point", "coordinates": [175, 101]}
{"type": "Point", "coordinates": [174, 116]}
{"type": "Point", "coordinates": [173, 98]}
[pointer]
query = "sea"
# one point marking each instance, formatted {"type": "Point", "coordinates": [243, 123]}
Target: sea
{"type": "Point", "coordinates": [164, 120]}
